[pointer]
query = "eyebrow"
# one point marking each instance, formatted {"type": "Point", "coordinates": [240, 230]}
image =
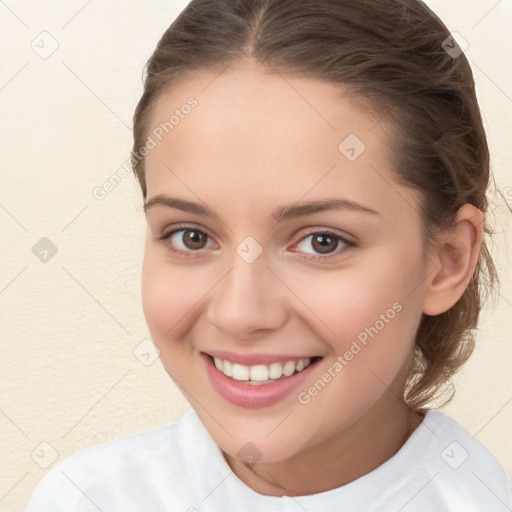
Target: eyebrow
{"type": "Point", "coordinates": [280, 214]}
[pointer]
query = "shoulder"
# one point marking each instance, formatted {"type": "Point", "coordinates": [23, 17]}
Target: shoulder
{"type": "Point", "coordinates": [158, 442]}
{"type": "Point", "coordinates": [458, 444]}
{"type": "Point", "coordinates": [458, 463]}
{"type": "Point", "coordinates": [132, 465]}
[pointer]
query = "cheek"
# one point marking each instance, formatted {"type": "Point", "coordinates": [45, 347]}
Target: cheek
{"type": "Point", "coordinates": [368, 312]}
{"type": "Point", "coordinates": [169, 295]}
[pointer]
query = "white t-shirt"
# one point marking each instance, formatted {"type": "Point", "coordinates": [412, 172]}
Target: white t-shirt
{"type": "Point", "coordinates": [178, 467]}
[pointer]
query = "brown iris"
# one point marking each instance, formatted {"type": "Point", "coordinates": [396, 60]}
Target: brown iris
{"type": "Point", "coordinates": [194, 239]}
{"type": "Point", "coordinates": [324, 242]}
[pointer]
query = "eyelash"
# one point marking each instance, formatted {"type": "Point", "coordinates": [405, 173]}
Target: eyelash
{"type": "Point", "coordinates": [184, 227]}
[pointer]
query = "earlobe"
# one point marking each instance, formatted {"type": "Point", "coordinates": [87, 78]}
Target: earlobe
{"type": "Point", "coordinates": [453, 261]}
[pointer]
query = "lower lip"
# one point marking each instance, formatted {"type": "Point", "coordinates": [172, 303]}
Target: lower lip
{"type": "Point", "coordinates": [246, 395]}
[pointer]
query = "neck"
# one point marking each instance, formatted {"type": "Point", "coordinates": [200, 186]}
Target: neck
{"type": "Point", "coordinates": [351, 453]}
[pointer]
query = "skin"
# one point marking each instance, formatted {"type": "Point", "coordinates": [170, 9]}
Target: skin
{"type": "Point", "coordinates": [252, 144]}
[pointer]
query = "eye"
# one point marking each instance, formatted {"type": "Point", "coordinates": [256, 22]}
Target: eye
{"type": "Point", "coordinates": [186, 240]}
{"type": "Point", "coordinates": [323, 244]}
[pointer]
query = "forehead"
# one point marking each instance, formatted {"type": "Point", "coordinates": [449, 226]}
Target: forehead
{"type": "Point", "coordinates": [269, 136]}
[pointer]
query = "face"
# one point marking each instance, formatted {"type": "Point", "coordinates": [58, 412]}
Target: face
{"type": "Point", "coordinates": [274, 235]}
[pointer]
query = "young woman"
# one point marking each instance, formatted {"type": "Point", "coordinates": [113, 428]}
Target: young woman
{"type": "Point", "coordinates": [314, 178]}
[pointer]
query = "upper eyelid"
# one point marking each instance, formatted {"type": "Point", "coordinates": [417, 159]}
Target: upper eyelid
{"type": "Point", "coordinates": [305, 232]}
{"type": "Point", "coordinates": [185, 227]}
{"type": "Point", "coordinates": [298, 236]}
{"type": "Point", "coordinates": [176, 229]}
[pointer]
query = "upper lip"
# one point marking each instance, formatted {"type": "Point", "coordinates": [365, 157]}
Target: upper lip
{"type": "Point", "coordinates": [254, 359]}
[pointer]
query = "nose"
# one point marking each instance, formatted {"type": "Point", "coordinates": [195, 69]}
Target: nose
{"type": "Point", "coordinates": [249, 299]}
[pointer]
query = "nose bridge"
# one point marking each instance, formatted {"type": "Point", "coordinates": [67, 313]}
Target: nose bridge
{"type": "Point", "coordinates": [248, 298]}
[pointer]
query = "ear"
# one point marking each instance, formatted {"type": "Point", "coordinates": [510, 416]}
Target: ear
{"type": "Point", "coordinates": [453, 261]}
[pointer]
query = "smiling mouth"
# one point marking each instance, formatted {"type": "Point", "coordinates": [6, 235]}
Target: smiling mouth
{"type": "Point", "coordinates": [261, 374]}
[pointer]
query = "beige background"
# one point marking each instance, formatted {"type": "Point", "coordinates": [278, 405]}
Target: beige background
{"type": "Point", "coordinates": [75, 367]}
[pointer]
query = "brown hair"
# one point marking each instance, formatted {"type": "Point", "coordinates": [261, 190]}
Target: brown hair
{"type": "Point", "coordinates": [391, 56]}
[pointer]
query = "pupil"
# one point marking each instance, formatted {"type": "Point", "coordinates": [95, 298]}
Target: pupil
{"type": "Point", "coordinates": [194, 239]}
{"type": "Point", "coordinates": [324, 243]}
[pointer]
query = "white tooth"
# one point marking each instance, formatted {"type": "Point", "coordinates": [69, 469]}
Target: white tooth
{"type": "Point", "coordinates": [303, 363]}
{"type": "Point", "coordinates": [289, 368]}
{"type": "Point", "coordinates": [240, 372]}
{"type": "Point", "coordinates": [218, 363]}
{"type": "Point", "coordinates": [275, 370]}
{"type": "Point", "coordinates": [227, 368]}
{"type": "Point", "coordinates": [258, 372]}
